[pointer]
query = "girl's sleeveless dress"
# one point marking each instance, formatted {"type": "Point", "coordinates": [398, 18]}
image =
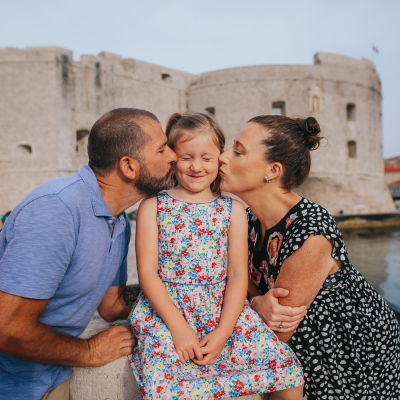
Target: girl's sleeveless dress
{"type": "Point", "coordinates": [192, 264]}
{"type": "Point", "coordinates": [349, 341]}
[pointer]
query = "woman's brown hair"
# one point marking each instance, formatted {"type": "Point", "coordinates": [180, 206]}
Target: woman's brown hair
{"type": "Point", "coordinates": [187, 126]}
{"type": "Point", "coordinates": [289, 142]}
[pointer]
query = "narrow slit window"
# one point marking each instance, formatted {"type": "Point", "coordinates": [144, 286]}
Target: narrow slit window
{"type": "Point", "coordinates": [278, 108]}
{"type": "Point", "coordinates": [97, 79]}
{"type": "Point", "coordinates": [352, 148]}
{"type": "Point", "coordinates": [351, 112]}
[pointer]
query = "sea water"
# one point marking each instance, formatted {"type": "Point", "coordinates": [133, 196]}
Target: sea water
{"type": "Point", "coordinates": [376, 256]}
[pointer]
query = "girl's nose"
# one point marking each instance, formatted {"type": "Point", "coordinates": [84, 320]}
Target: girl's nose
{"type": "Point", "coordinates": [196, 166]}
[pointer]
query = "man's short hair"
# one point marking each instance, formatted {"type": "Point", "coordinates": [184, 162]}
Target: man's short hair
{"type": "Point", "coordinates": [116, 134]}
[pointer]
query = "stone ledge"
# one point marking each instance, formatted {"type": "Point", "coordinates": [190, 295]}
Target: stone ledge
{"type": "Point", "coordinates": [114, 381]}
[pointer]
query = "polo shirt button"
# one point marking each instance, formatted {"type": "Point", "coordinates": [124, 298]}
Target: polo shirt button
{"type": "Point", "coordinates": [110, 221]}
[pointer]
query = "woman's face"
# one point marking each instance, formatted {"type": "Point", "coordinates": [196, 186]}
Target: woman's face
{"type": "Point", "coordinates": [243, 166]}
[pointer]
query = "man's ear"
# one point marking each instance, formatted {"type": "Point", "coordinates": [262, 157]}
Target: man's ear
{"type": "Point", "coordinates": [129, 167]}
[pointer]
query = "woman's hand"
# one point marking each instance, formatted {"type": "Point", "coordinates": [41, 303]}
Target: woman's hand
{"type": "Point", "coordinates": [278, 317]}
{"type": "Point", "coordinates": [186, 344]}
{"type": "Point", "coordinates": [211, 347]}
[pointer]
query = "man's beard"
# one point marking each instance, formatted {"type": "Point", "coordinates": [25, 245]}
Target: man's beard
{"type": "Point", "coordinates": [149, 184]}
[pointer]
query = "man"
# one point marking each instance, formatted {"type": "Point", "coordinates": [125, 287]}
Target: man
{"type": "Point", "coordinates": [63, 254]}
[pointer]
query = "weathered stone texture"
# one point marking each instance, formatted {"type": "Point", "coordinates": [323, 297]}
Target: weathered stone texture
{"type": "Point", "coordinates": [48, 103]}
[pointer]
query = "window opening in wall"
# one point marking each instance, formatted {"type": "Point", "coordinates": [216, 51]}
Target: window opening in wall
{"type": "Point", "coordinates": [278, 108]}
{"type": "Point", "coordinates": [211, 110]}
{"type": "Point", "coordinates": [166, 77]}
{"type": "Point", "coordinates": [315, 104]}
{"type": "Point", "coordinates": [81, 141]}
{"type": "Point", "coordinates": [352, 148]}
{"type": "Point", "coordinates": [24, 149]}
{"type": "Point", "coordinates": [351, 112]}
{"type": "Point", "coordinates": [64, 68]}
{"type": "Point", "coordinates": [97, 79]}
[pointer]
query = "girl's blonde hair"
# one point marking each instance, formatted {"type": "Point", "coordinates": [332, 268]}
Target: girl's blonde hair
{"type": "Point", "coordinates": [187, 126]}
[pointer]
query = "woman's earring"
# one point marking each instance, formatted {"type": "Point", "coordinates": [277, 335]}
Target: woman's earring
{"type": "Point", "coordinates": [267, 179]}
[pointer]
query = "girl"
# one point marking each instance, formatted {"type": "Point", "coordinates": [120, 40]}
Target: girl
{"type": "Point", "coordinates": [196, 339]}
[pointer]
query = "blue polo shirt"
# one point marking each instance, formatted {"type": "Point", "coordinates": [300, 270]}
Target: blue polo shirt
{"type": "Point", "coordinates": [60, 243]}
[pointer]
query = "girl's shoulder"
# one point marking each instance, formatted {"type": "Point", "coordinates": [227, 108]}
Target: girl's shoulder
{"type": "Point", "coordinates": [147, 201]}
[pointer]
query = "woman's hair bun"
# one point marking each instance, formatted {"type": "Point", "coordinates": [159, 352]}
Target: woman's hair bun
{"type": "Point", "coordinates": [311, 130]}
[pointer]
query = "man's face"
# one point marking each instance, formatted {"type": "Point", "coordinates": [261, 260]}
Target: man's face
{"type": "Point", "coordinates": [156, 172]}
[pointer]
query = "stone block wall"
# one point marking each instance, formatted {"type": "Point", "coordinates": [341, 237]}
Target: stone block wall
{"type": "Point", "coordinates": [49, 102]}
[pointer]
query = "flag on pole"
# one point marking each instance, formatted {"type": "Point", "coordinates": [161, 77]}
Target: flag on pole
{"type": "Point", "coordinates": [375, 49]}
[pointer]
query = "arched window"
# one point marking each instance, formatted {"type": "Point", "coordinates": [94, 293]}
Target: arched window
{"type": "Point", "coordinates": [351, 112]}
{"type": "Point", "coordinates": [278, 108]}
{"type": "Point", "coordinates": [81, 141]}
{"type": "Point", "coordinates": [315, 104]}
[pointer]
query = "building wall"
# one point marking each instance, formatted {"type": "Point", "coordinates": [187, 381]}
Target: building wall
{"type": "Point", "coordinates": [49, 102]}
{"type": "Point", "coordinates": [46, 97]}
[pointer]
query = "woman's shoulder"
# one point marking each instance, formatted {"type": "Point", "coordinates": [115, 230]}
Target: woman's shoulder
{"type": "Point", "coordinates": [314, 215]}
{"type": "Point", "coordinates": [312, 219]}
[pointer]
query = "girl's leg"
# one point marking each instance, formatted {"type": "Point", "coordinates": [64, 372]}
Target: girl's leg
{"type": "Point", "coordinates": [288, 394]}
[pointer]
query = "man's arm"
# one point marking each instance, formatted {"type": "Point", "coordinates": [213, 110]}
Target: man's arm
{"type": "Point", "coordinates": [117, 302]}
{"type": "Point", "coordinates": [23, 336]}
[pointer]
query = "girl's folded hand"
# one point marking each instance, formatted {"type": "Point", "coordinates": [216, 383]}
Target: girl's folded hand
{"type": "Point", "coordinates": [211, 347]}
{"type": "Point", "coordinates": [186, 344]}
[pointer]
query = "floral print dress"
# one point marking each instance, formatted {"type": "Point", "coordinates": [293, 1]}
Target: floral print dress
{"type": "Point", "coordinates": [193, 242]}
{"type": "Point", "coordinates": [348, 342]}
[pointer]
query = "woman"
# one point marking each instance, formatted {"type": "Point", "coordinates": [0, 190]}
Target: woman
{"type": "Point", "coordinates": [348, 341]}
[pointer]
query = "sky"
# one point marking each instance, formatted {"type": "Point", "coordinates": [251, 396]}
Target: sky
{"type": "Point", "coordinates": [200, 36]}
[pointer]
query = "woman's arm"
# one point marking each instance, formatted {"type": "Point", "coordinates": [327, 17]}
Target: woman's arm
{"type": "Point", "coordinates": [236, 287]}
{"type": "Point", "coordinates": [185, 340]}
{"type": "Point", "coordinates": [304, 273]}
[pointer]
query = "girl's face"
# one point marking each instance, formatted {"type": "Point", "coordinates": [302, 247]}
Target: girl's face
{"type": "Point", "coordinates": [243, 166]}
{"type": "Point", "coordinates": [197, 165]}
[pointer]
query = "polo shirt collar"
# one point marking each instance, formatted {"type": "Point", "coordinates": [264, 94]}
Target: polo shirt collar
{"type": "Point", "coordinates": [100, 208]}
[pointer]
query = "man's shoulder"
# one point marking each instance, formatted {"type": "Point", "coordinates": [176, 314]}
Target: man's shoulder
{"type": "Point", "coordinates": [64, 187]}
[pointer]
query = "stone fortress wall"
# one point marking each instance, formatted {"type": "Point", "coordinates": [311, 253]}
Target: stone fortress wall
{"type": "Point", "coordinates": [48, 103]}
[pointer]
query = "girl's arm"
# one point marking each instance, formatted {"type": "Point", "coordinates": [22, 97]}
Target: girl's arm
{"type": "Point", "coordinates": [303, 274]}
{"type": "Point", "coordinates": [236, 288]}
{"type": "Point", "coordinates": [185, 340]}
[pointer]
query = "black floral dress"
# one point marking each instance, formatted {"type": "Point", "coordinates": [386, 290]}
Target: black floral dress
{"type": "Point", "coordinates": [348, 343]}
